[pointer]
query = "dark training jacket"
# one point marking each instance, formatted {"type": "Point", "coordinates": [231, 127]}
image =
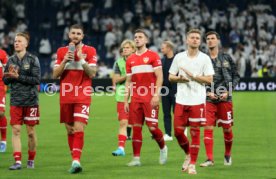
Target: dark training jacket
{"type": "Point", "coordinates": [24, 90]}
{"type": "Point", "coordinates": [226, 75]}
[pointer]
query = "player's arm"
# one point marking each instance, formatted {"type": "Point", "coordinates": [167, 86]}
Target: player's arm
{"type": "Point", "coordinates": [174, 70]}
{"type": "Point", "coordinates": [159, 81]}
{"type": "Point", "coordinates": [6, 78]}
{"type": "Point", "coordinates": [117, 77]}
{"type": "Point", "coordinates": [127, 92]}
{"type": "Point", "coordinates": [90, 71]}
{"type": "Point", "coordinates": [4, 61]}
{"type": "Point", "coordinates": [59, 68]}
{"type": "Point", "coordinates": [203, 79]}
{"type": "Point", "coordinates": [234, 79]}
{"type": "Point", "coordinates": [235, 74]}
{"type": "Point", "coordinates": [128, 85]}
{"type": "Point", "coordinates": [177, 79]}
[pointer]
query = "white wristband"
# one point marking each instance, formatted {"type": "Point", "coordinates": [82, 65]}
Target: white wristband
{"type": "Point", "coordinates": [194, 75]}
{"type": "Point", "coordinates": [82, 61]}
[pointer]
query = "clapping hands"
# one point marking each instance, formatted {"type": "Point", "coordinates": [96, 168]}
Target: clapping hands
{"type": "Point", "coordinates": [12, 72]}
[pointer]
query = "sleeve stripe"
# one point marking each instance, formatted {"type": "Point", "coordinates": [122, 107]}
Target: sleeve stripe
{"type": "Point", "coordinates": [157, 67]}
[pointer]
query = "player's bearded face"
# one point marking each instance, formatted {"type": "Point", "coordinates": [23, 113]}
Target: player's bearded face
{"type": "Point", "coordinates": [76, 36]}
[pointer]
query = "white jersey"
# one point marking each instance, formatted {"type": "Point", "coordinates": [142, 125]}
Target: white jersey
{"type": "Point", "coordinates": [192, 92]}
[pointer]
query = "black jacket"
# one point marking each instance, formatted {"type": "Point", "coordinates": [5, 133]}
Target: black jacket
{"type": "Point", "coordinates": [24, 90]}
{"type": "Point", "coordinates": [166, 65]}
{"type": "Point", "coordinates": [226, 75]}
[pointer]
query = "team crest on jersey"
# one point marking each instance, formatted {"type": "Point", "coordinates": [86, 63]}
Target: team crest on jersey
{"type": "Point", "coordinates": [26, 66]}
{"type": "Point", "coordinates": [146, 59]}
{"type": "Point", "coordinates": [226, 64]}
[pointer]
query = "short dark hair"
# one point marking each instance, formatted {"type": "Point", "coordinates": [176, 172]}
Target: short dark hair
{"type": "Point", "coordinates": [140, 30]}
{"type": "Point", "coordinates": [212, 33]}
{"type": "Point", "coordinates": [26, 35]}
{"type": "Point", "coordinates": [76, 26]}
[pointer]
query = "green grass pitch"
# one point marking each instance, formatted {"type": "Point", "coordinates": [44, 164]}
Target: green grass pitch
{"type": "Point", "coordinates": [254, 149]}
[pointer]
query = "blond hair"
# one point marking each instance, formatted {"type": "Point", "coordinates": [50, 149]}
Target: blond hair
{"type": "Point", "coordinates": [169, 44]}
{"type": "Point", "coordinates": [130, 42]}
{"type": "Point", "coordinates": [25, 35]}
{"type": "Point", "coordinates": [197, 31]}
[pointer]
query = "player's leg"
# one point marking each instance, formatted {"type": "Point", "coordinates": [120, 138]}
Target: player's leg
{"type": "Point", "coordinates": [31, 118]}
{"type": "Point", "coordinates": [194, 149]}
{"type": "Point", "coordinates": [16, 145]}
{"type": "Point", "coordinates": [228, 141]}
{"type": "Point", "coordinates": [3, 122]}
{"type": "Point", "coordinates": [209, 145]}
{"type": "Point", "coordinates": [166, 107]}
{"type": "Point", "coordinates": [77, 146]}
{"type": "Point", "coordinates": [211, 110]}
{"type": "Point", "coordinates": [16, 121]}
{"type": "Point", "coordinates": [3, 130]}
{"type": "Point", "coordinates": [180, 123]}
{"type": "Point", "coordinates": [122, 136]}
{"type": "Point", "coordinates": [196, 119]}
{"type": "Point", "coordinates": [129, 128]}
{"type": "Point", "coordinates": [81, 116]}
{"type": "Point", "coordinates": [66, 117]}
{"type": "Point", "coordinates": [136, 116]}
{"type": "Point", "coordinates": [225, 115]}
{"type": "Point", "coordinates": [151, 118]}
{"type": "Point", "coordinates": [70, 135]}
{"type": "Point", "coordinates": [32, 142]}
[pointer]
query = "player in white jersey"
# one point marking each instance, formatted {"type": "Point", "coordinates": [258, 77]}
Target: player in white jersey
{"type": "Point", "coordinates": [191, 70]}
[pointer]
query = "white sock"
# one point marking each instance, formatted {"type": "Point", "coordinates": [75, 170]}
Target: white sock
{"type": "Point", "coordinates": [122, 148]}
{"type": "Point", "coordinates": [162, 150]}
{"type": "Point", "coordinates": [76, 161]}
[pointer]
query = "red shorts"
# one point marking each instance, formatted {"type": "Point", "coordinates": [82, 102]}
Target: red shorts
{"type": "Point", "coordinates": [28, 115]}
{"type": "Point", "coordinates": [70, 113]}
{"type": "Point", "coordinates": [185, 115]}
{"type": "Point", "coordinates": [2, 100]}
{"type": "Point", "coordinates": [140, 112]}
{"type": "Point", "coordinates": [122, 114]}
{"type": "Point", "coordinates": [221, 113]}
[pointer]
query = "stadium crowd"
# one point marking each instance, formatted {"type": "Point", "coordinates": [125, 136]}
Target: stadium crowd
{"type": "Point", "coordinates": [247, 28]}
